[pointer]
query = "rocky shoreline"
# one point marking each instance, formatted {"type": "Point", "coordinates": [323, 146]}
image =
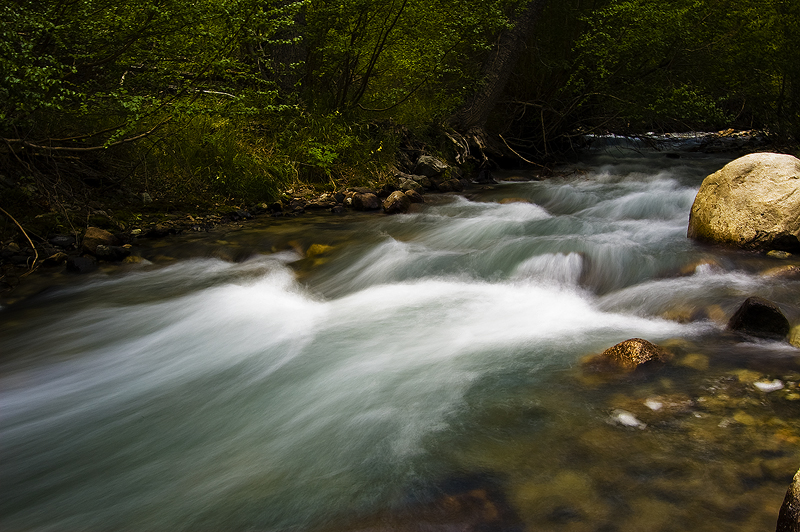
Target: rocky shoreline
{"type": "Point", "coordinates": [114, 241]}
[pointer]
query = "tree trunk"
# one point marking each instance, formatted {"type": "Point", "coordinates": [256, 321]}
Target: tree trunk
{"type": "Point", "coordinates": [472, 116]}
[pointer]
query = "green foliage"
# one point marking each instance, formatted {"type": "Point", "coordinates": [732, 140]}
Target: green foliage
{"type": "Point", "coordinates": [688, 63]}
{"type": "Point", "coordinates": [379, 54]}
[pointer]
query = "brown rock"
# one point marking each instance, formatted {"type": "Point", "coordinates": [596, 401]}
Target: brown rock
{"type": "Point", "coordinates": [415, 196]}
{"type": "Point", "coordinates": [761, 318]}
{"type": "Point", "coordinates": [397, 202]}
{"type": "Point", "coordinates": [95, 236]}
{"type": "Point", "coordinates": [789, 516]}
{"type": "Point", "coordinates": [366, 201]}
{"type": "Point", "coordinates": [630, 354]}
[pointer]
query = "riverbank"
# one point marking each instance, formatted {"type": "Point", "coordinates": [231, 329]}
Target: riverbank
{"type": "Point", "coordinates": [40, 244]}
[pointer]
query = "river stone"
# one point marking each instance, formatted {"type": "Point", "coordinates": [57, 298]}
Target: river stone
{"type": "Point", "coordinates": [415, 196]}
{"type": "Point", "coordinates": [397, 202]}
{"type": "Point", "coordinates": [410, 184]}
{"type": "Point", "coordinates": [753, 202]}
{"type": "Point", "coordinates": [95, 236]}
{"type": "Point", "coordinates": [761, 318]}
{"type": "Point", "coordinates": [366, 201]}
{"type": "Point", "coordinates": [789, 516]}
{"type": "Point", "coordinates": [111, 253]}
{"type": "Point", "coordinates": [62, 241]}
{"type": "Point", "coordinates": [429, 166]}
{"type": "Point", "coordinates": [630, 354]}
{"type": "Point", "coordinates": [81, 264]}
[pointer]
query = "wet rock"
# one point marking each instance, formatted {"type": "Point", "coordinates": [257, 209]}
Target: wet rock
{"type": "Point", "coordinates": [777, 254]}
{"type": "Point", "coordinates": [506, 201]}
{"type": "Point", "coordinates": [794, 336]}
{"type": "Point", "coordinates": [783, 272]}
{"type": "Point", "coordinates": [318, 249]}
{"type": "Point", "coordinates": [62, 241]}
{"type": "Point", "coordinates": [366, 201]}
{"type": "Point", "coordinates": [415, 196]}
{"type": "Point", "coordinates": [760, 318]}
{"type": "Point", "coordinates": [429, 166]}
{"type": "Point", "coordinates": [410, 184]}
{"type": "Point", "coordinates": [81, 264]}
{"type": "Point", "coordinates": [111, 253]}
{"type": "Point", "coordinates": [397, 202]}
{"type": "Point", "coordinates": [95, 236]}
{"type": "Point", "coordinates": [319, 205]}
{"type": "Point", "coordinates": [789, 516]}
{"type": "Point", "coordinates": [751, 203]}
{"type": "Point", "coordinates": [159, 231]}
{"type": "Point", "coordinates": [422, 180]}
{"type": "Point", "coordinates": [629, 355]}
{"type": "Point", "coordinates": [386, 190]}
{"type": "Point", "coordinates": [56, 259]}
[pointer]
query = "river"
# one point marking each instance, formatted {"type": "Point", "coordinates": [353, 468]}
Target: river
{"type": "Point", "coordinates": [413, 372]}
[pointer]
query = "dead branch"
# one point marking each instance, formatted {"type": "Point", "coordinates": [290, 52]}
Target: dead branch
{"type": "Point", "coordinates": [35, 251]}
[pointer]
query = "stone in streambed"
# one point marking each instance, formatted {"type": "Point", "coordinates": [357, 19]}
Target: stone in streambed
{"type": "Point", "coordinates": [753, 202]}
{"type": "Point", "coordinates": [81, 264]}
{"type": "Point", "coordinates": [789, 516]}
{"type": "Point", "coordinates": [415, 196]}
{"type": "Point", "coordinates": [760, 318]}
{"type": "Point", "coordinates": [365, 201]}
{"type": "Point", "coordinates": [397, 202]}
{"type": "Point", "coordinates": [95, 236]}
{"type": "Point", "coordinates": [629, 355]}
{"type": "Point", "coordinates": [111, 253]}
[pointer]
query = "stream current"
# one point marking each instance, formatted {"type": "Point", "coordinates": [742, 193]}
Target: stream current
{"type": "Point", "coordinates": [413, 372]}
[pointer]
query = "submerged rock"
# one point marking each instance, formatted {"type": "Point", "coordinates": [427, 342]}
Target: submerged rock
{"type": "Point", "coordinates": [789, 516]}
{"type": "Point", "coordinates": [760, 318]}
{"type": "Point", "coordinates": [752, 202]}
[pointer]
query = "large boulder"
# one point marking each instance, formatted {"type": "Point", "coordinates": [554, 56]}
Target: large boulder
{"type": "Point", "coordinates": [761, 318]}
{"type": "Point", "coordinates": [753, 202]}
{"type": "Point", "coordinates": [789, 516]}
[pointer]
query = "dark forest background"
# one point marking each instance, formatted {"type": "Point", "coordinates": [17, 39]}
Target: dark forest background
{"type": "Point", "coordinates": [237, 100]}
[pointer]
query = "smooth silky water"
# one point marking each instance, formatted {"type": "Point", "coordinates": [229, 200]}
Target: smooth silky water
{"type": "Point", "coordinates": [412, 372]}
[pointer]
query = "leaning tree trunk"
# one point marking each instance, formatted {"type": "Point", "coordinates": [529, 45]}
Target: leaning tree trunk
{"type": "Point", "coordinates": [470, 119]}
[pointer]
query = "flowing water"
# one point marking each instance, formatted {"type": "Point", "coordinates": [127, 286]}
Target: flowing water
{"type": "Point", "coordinates": [413, 372]}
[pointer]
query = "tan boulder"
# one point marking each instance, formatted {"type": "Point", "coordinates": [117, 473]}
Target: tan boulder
{"type": "Point", "coordinates": [753, 202]}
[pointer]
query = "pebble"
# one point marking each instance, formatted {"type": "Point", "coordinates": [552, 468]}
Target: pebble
{"type": "Point", "coordinates": [769, 386]}
{"type": "Point", "coordinates": [623, 417]}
